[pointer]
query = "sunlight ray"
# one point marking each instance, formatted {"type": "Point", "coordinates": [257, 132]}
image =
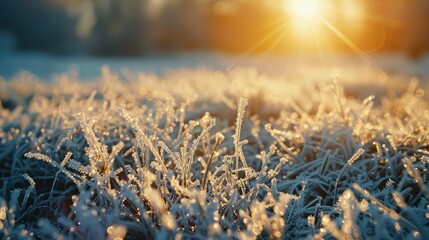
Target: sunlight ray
{"type": "Point", "coordinates": [363, 55]}
{"type": "Point", "coordinates": [260, 43]}
{"type": "Point", "coordinates": [346, 40]}
{"type": "Point", "coordinates": [267, 37]}
{"type": "Point", "coordinates": [277, 41]}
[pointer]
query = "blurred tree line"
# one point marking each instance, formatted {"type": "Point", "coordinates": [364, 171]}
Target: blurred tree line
{"type": "Point", "coordinates": [138, 27]}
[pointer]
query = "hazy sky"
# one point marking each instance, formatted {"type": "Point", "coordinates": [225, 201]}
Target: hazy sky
{"type": "Point", "coordinates": [138, 27]}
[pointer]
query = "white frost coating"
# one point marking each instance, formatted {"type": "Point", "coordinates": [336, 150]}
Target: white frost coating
{"type": "Point", "coordinates": [140, 159]}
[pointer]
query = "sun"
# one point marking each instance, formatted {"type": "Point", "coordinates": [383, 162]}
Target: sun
{"type": "Point", "coordinates": [303, 9]}
{"type": "Point", "coordinates": [305, 15]}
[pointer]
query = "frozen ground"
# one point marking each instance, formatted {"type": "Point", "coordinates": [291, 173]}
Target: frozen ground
{"type": "Point", "coordinates": [190, 147]}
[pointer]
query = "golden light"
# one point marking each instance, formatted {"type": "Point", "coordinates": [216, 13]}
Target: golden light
{"type": "Point", "coordinates": [305, 15]}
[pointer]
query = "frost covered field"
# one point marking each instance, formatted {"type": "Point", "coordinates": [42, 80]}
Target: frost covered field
{"type": "Point", "coordinates": [198, 153]}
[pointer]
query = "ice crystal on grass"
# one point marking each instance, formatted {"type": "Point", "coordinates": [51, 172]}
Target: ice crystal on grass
{"type": "Point", "coordinates": [115, 159]}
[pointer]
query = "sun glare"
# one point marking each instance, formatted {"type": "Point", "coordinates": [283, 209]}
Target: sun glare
{"type": "Point", "coordinates": [303, 9]}
{"type": "Point", "coordinates": [305, 15]}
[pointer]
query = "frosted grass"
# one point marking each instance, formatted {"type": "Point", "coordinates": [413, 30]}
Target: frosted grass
{"type": "Point", "coordinates": [202, 154]}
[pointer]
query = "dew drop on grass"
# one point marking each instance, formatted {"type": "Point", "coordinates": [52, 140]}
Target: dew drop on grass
{"type": "Point", "coordinates": [397, 226]}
